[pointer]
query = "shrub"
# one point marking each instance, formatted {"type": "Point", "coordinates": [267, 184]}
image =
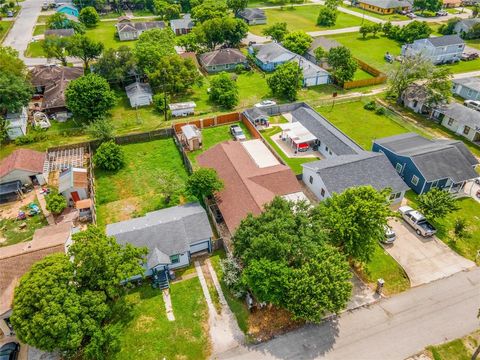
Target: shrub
{"type": "Point", "coordinates": [460, 228]}
{"type": "Point", "coordinates": [232, 276]}
{"type": "Point", "coordinates": [109, 156]}
{"type": "Point", "coordinates": [370, 106]}
{"type": "Point", "coordinates": [239, 69]}
{"type": "Point", "coordinates": [56, 203]}
{"type": "Point", "coordinates": [380, 110]}
{"type": "Point", "coordinates": [31, 137]}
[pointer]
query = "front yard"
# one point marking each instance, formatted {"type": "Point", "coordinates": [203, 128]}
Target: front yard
{"type": "Point", "coordinates": [139, 187]}
{"type": "Point", "coordinates": [4, 29]}
{"type": "Point", "coordinates": [459, 349]}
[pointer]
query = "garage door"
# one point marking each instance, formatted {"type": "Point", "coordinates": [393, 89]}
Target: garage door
{"type": "Point", "coordinates": [203, 246]}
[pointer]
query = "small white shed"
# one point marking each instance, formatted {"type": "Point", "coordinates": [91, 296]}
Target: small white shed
{"type": "Point", "coordinates": [182, 109]}
{"type": "Point", "coordinates": [139, 94]}
{"type": "Point", "coordinates": [192, 136]}
{"type": "Point", "coordinates": [17, 123]}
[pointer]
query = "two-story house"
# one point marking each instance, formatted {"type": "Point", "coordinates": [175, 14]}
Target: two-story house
{"type": "Point", "coordinates": [439, 50]}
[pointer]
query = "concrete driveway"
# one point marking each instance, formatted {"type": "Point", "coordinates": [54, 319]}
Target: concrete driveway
{"type": "Point", "coordinates": [471, 190]}
{"type": "Point", "coordinates": [424, 259]}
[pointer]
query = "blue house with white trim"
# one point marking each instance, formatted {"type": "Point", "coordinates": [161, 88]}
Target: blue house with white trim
{"type": "Point", "coordinates": [424, 164]}
{"type": "Point", "coordinates": [68, 10]}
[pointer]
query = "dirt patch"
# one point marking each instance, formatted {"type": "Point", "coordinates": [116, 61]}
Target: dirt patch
{"type": "Point", "coordinates": [10, 210]}
{"type": "Point", "coordinates": [144, 323]}
{"type": "Point", "coordinates": [264, 324]}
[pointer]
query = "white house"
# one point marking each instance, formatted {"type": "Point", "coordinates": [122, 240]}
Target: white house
{"type": "Point", "coordinates": [139, 94]}
{"type": "Point", "coordinates": [17, 123]}
{"type": "Point", "coordinates": [460, 119]}
{"type": "Point", "coordinates": [73, 184]}
{"type": "Point", "coordinates": [182, 109]}
{"type": "Point", "coordinates": [467, 88]}
{"type": "Point", "coordinates": [132, 30]}
{"type": "Point", "coordinates": [439, 50]}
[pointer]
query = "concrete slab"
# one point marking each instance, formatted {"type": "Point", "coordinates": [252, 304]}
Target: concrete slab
{"type": "Point", "coordinates": [168, 304]}
{"type": "Point", "coordinates": [424, 259]}
{"type": "Point", "coordinates": [260, 153]}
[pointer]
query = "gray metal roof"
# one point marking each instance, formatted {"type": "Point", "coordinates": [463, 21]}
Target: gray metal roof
{"type": "Point", "coordinates": [462, 114]}
{"type": "Point", "coordinates": [170, 230]}
{"type": "Point", "coordinates": [445, 40]}
{"type": "Point", "coordinates": [436, 159]}
{"type": "Point", "coordinates": [137, 89]}
{"type": "Point", "coordinates": [368, 168]}
{"type": "Point", "coordinates": [183, 23]}
{"type": "Point", "coordinates": [272, 52]}
{"type": "Point", "coordinates": [252, 14]}
{"type": "Point", "coordinates": [469, 82]}
{"type": "Point", "coordinates": [388, 4]}
{"type": "Point", "coordinates": [328, 134]}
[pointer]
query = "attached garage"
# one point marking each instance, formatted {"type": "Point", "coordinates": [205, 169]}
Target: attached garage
{"type": "Point", "coordinates": [200, 246]}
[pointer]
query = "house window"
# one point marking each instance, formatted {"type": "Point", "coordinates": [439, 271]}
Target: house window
{"type": "Point", "coordinates": [415, 180]}
{"type": "Point", "coordinates": [398, 167]}
{"type": "Point", "coordinates": [322, 192]}
{"type": "Point", "coordinates": [175, 259]}
{"type": "Point", "coordinates": [311, 179]}
{"type": "Point", "coordinates": [227, 66]}
{"type": "Point", "coordinates": [466, 130]}
{"type": "Point", "coordinates": [450, 122]}
{"type": "Point", "coordinates": [326, 148]}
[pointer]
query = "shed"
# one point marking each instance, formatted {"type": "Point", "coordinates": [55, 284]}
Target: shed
{"type": "Point", "coordinates": [73, 184]}
{"type": "Point", "coordinates": [192, 136]}
{"type": "Point", "coordinates": [182, 109]}
{"type": "Point", "coordinates": [17, 123]}
{"type": "Point", "coordinates": [10, 191]}
{"type": "Point", "coordinates": [139, 94]}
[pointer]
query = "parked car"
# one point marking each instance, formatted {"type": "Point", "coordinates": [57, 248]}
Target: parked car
{"type": "Point", "coordinates": [472, 104]}
{"type": "Point", "coordinates": [9, 351]}
{"type": "Point", "coordinates": [441, 13]}
{"type": "Point", "coordinates": [417, 221]}
{"type": "Point", "coordinates": [477, 181]}
{"type": "Point", "coordinates": [469, 56]}
{"type": "Point", "coordinates": [389, 236]}
{"type": "Point", "coordinates": [265, 103]}
{"type": "Point", "coordinates": [411, 15]}
{"type": "Point", "coordinates": [237, 133]}
{"type": "Point", "coordinates": [10, 13]}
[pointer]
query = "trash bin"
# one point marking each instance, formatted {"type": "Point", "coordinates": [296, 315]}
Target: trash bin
{"type": "Point", "coordinates": [380, 284]}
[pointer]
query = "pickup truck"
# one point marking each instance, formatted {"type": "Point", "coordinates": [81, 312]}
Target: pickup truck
{"type": "Point", "coordinates": [417, 221]}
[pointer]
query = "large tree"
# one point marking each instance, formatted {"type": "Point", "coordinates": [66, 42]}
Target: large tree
{"type": "Point", "coordinates": [11, 63]}
{"type": "Point", "coordinates": [343, 64]}
{"type": "Point", "coordinates": [151, 46]}
{"type": "Point", "coordinates": [413, 31]}
{"type": "Point", "coordinates": [276, 31]}
{"type": "Point", "coordinates": [84, 48]}
{"type": "Point", "coordinates": [218, 31]}
{"type": "Point", "coordinates": [89, 97]}
{"type": "Point", "coordinates": [224, 91]}
{"type": "Point", "coordinates": [166, 10]}
{"type": "Point", "coordinates": [237, 5]}
{"type": "Point", "coordinates": [117, 66]}
{"type": "Point", "coordinates": [327, 16]}
{"type": "Point", "coordinates": [55, 47]}
{"type": "Point", "coordinates": [15, 92]}
{"type": "Point", "coordinates": [436, 204]}
{"type": "Point", "coordinates": [203, 182]}
{"type": "Point", "coordinates": [286, 80]}
{"type": "Point", "coordinates": [209, 9]}
{"type": "Point", "coordinates": [89, 16]}
{"type": "Point", "coordinates": [429, 5]}
{"type": "Point", "coordinates": [297, 41]}
{"type": "Point", "coordinates": [355, 220]}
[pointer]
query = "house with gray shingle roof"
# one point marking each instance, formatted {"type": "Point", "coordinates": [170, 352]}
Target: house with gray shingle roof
{"type": "Point", "coordinates": [171, 236]}
{"type": "Point", "coordinates": [132, 30]}
{"type": "Point", "coordinates": [182, 26]}
{"type": "Point", "coordinates": [385, 6]}
{"type": "Point", "coordinates": [467, 88]}
{"type": "Point", "coordinates": [464, 26]}
{"type": "Point", "coordinates": [439, 50]}
{"type": "Point", "coordinates": [253, 16]}
{"type": "Point", "coordinates": [139, 94]}
{"type": "Point", "coordinates": [460, 119]}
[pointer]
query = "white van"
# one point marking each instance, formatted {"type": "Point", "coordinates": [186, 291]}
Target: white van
{"type": "Point", "coordinates": [472, 104]}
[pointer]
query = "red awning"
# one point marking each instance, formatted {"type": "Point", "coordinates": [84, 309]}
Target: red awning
{"type": "Point", "coordinates": [303, 146]}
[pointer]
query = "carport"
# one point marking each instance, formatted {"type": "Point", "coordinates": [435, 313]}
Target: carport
{"type": "Point", "coordinates": [10, 191]}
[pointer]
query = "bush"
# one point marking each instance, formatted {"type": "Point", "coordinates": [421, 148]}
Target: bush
{"type": "Point", "coordinates": [460, 228]}
{"type": "Point", "coordinates": [109, 156]}
{"type": "Point", "coordinates": [159, 102]}
{"type": "Point", "coordinates": [31, 137]}
{"type": "Point", "coordinates": [239, 69]}
{"type": "Point", "coordinates": [56, 203]}
{"type": "Point", "coordinates": [380, 111]}
{"type": "Point", "coordinates": [232, 276]}
{"type": "Point", "coordinates": [370, 106]}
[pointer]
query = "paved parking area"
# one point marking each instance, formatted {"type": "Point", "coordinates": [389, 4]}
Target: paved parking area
{"type": "Point", "coordinates": [471, 189]}
{"type": "Point", "coordinates": [424, 259]}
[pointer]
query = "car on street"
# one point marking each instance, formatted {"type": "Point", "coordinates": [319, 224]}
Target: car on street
{"type": "Point", "coordinates": [265, 103]}
{"type": "Point", "coordinates": [237, 133]}
{"type": "Point", "coordinates": [417, 221]}
{"type": "Point", "coordinates": [411, 15]}
{"type": "Point", "coordinates": [9, 351]}
{"type": "Point", "coordinates": [477, 181]}
{"type": "Point", "coordinates": [389, 235]}
{"type": "Point", "coordinates": [441, 13]}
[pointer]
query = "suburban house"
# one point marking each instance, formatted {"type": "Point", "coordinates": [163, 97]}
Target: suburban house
{"type": "Point", "coordinates": [17, 123]}
{"type": "Point", "coordinates": [464, 26]}
{"type": "Point", "coordinates": [68, 9]}
{"type": "Point", "coordinates": [222, 60]}
{"type": "Point", "coordinates": [424, 164]}
{"type": "Point", "coordinates": [59, 32]}
{"type": "Point", "coordinates": [51, 81]}
{"type": "Point", "coordinates": [171, 235]}
{"type": "Point", "coordinates": [182, 109]}
{"type": "Point", "coordinates": [385, 6]}
{"type": "Point", "coordinates": [322, 42]}
{"type": "Point", "coordinates": [269, 56]}
{"type": "Point", "coordinates": [23, 165]}
{"type": "Point", "coordinates": [415, 97]}
{"type": "Point", "coordinates": [460, 119]}
{"type": "Point", "coordinates": [452, 3]}
{"type": "Point", "coordinates": [132, 30]}
{"type": "Point", "coordinates": [17, 259]}
{"type": "Point", "coordinates": [467, 88]}
{"type": "Point", "coordinates": [182, 26]}
{"type": "Point", "coordinates": [253, 16]}
{"type": "Point", "coordinates": [73, 184]}
{"type": "Point", "coordinates": [337, 174]}
{"type": "Point", "coordinates": [439, 50]}
{"type": "Point", "coordinates": [139, 94]}
{"type": "Point", "coordinates": [252, 177]}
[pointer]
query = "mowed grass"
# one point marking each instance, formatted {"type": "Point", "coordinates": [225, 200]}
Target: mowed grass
{"type": "Point", "coordinates": [105, 33]}
{"type": "Point", "coordinates": [35, 49]}
{"type": "Point", "coordinates": [5, 28]}
{"type": "Point", "coordinates": [39, 30]}
{"type": "Point", "coordinates": [459, 349]}
{"type": "Point", "coordinates": [150, 336]}
{"type": "Point", "coordinates": [136, 189]}
{"type": "Point", "coordinates": [473, 43]}
{"type": "Point", "coordinates": [304, 18]}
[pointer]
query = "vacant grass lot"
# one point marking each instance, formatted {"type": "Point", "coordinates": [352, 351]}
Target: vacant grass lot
{"type": "Point", "coordinates": [105, 33]}
{"type": "Point", "coordinates": [304, 18]}
{"type": "Point", "coordinates": [136, 189]}
{"type": "Point", "coordinates": [39, 30]}
{"type": "Point", "coordinates": [150, 336]}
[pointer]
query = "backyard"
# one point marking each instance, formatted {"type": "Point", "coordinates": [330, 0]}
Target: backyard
{"type": "Point", "coordinates": [143, 184]}
{"type": "Point", "coordinates": [148, 335]}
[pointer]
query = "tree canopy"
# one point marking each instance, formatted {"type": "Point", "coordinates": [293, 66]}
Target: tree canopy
{"type": "Point", "coordinates": [55, 47]}
{"type": "Point", "coordinates": [203, 182]}
{"type": "Point", "coordinates": [343, 64]}
{"type": "Point", "coordinates": [84, 48]}
{"type": "Point", "coordinates": [429, 5]}
{"type": "Point", "coordinates": [327, 16]}
{"type": "Point", "coordinates": [16, 92]}
{"type": "Point", "coordinates": [286, 80]}
{"type": "Point", "coordinates": [117, 65]}
{"type": "Point", "coordinates": [237, 5]}
{"type": "Point", "coordinates": [276, 31]}
{"type": "Point", "coordinates": [209, 9]}
{"type": "Point", "coordinates": [166, 10]}
{"type": "Point", "coordinates": [224, 91]}
{"type": "Point", "coordinates": [297, 41]}
{"type": "Point", "coordinates": [109, 156]}
{"type": "Point", "coordinates": [151, 46]}
{"type": "Point", "coordinates": [89, 16]}
{"type": "Point", "coordinates": [436, 203]}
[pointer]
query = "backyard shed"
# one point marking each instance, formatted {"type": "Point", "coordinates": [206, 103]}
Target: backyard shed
{"type": "Point", "coordinates": [182, 109]}
{"type": "Point", "coordinates": [192, 136]}
{"type": "Point", "coordinates": [73, 184]}
{"type": "Point", "coordinates": [139, 94]}
{"type": "Point", "coordinates": [17, 123]}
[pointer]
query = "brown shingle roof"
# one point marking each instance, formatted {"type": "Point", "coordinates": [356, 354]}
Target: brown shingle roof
{"type": "Point", "coordinates": [23, 159]}
{"type": "Point", "coordinates": [247, 187]}
{"type": "Point", "coordinates": [222, 57]}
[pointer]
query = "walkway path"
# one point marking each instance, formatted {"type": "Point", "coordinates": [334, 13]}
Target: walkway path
{"type": "Point", "coordinates": [43, 205]}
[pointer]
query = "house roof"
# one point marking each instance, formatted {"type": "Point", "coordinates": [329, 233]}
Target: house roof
{"type": "Point", "coordinates": [139, 26]}
{"type": "Point", "coordinates": [272, 52]}
{"type": "Point", "coordinates": [322, 42]}
{"type": "Point", "coordinates": [168, 231]}
{"type": "Point", "coordinates": [469, 22]}
{"type": "Point", "coordinates": [462, 114]}
{"type": "Point", "coordinates": [222, 57]}
{"type": "Point", "coordinates": [247, 187]}
{"type": "Point", "coordinates": [309, 69]}
{"type": "Point", "coordinates": [252, 14]}
{"type": "Point", "coordinates": [138, 89]}
{"type": "Point", "coordinates": [16, 260]}
{"type": "Point", "coordinates": [469, 82]}
{"type": "Point", "coordinates": [387, 4]}
{"type": "Point", "coordinates": [255, 113]}
{"type": "Point", "coordinates": [325, 131]}
{"type": "Point", "coordinates": [55, 80]}
{"type": "Point", "coordinates": [182, 105]}
{"type": "Point", "coordinates": [73, 178]}
{"type": "Point", "coordinates": [436, 159]}
{"type": "Point", "coordinates": [59, 32]}
{"type": "Point", "coordinates": [415, 92]}
{"type": "Point", "coordinates": [445, 40]}
{"type": "Point", "coordinates": [23, 159]}
{"type": "Point", "coordinates": [183, 23]}
{"type": "Point", "coordinates": [342, 172]}
{"type": "Point", "coordinates": [190, 131]}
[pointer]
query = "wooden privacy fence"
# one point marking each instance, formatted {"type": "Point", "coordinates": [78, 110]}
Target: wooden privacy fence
{"type": "Point", "coordinates": [209, 122]}
{"type": "Point", "coordinates": [378, 77]}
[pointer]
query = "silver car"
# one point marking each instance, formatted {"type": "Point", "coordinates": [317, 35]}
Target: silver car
{"type": "Point", "coordinates": [389, 236]}
{"type": "Point", "coordinates": [237, 133]}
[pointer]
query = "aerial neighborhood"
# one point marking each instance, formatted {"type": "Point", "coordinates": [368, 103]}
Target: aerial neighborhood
{"type": "Point", "coordinates": [239, 179]}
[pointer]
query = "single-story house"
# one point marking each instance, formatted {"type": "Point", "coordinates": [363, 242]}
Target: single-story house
{"type": "Point", "coordinates": [464, 26]}
{"type": "Point", "coordinates": [73, 184]}
{"type": "Point", "coordinates": [451, 3]}
{"type": "Point", "coordinates": [24, 165]}
{"type": "Point", "coordinates": [59, 32]}
{"type": "Point", "coordinates": [191, 136]}
{"type": "Point", "coordinates": [51, 81]}
{"type": "Point", "coordinates": [68, 9]}
{"type": "Point", "coordinates": [253, 16]}
{"type": "Point", "coordinates": [222, 60]}
{"type": "Point", "coordinates": [182, 26]}
{"type": "Point", "coordinates": [252, 177]}
{"type": "Point", "coordinates": [171, 235]}
{"type": "Point", "coordinates": [439, 50]}
{"type": "Point", "coordinates": [424, 164]}
{"type": "Point", "coordinates": [17, 259]}
{"type": "Point", "coordinates": [467, 88]}
{"type": "Point", "coordinates": [139, 94]}
{"type": "Point", "coordinates": [337, 174]}
{"type": "Point", "coordinates": [182, 109]}
{"type": "Point", "coordinates": [385, 6]}
{"type": "Point", "coordinates": [415, 97]}
{"type": "Point", "coordinates": [322, 42]}
{"type": "Point", "coordinates": [132, 30]}
{"type": "Point", "coordinates": [17, 123]}
{"type": "Point", "coordinates": [460, 119]}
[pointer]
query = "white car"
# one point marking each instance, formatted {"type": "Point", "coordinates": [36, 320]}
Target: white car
{"type": "Point", "coordinates": [265, 103]}
{"type": "Point", "coordinates": [390, 235]}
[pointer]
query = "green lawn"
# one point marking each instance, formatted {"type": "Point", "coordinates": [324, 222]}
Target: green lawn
{"type": "Point", "coordinates": [474, 43]}
{"type": "Point", "coordinates": [42, 19]}
{"type": "Point", "coordinates": [362, 75]}
{"type": "Point", "coordinates": [150, 336]}
{"type": "Point", "coordinates": [12, 233]}
{"type": "Point", "coordinates": [459, 349]}
{"type": "Point", "coordinates": [112, 15]}
{"type": "Point", "coordinates": [304, 18]}
{"type": "Point", "coordinates": [39, 29]}
{"type": "Point", "coordinates": [386, 17]}
{"type": "Point", "coordinates": [294, 163]}
{"type": "Point", "coordinates": [136, 189]}
{"type": "Point", "coordinates": [105, 33]}
{"type": "Point", "coordinates": [4, 28]}
{"type": "Point", "coordinates": [35, 49]}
